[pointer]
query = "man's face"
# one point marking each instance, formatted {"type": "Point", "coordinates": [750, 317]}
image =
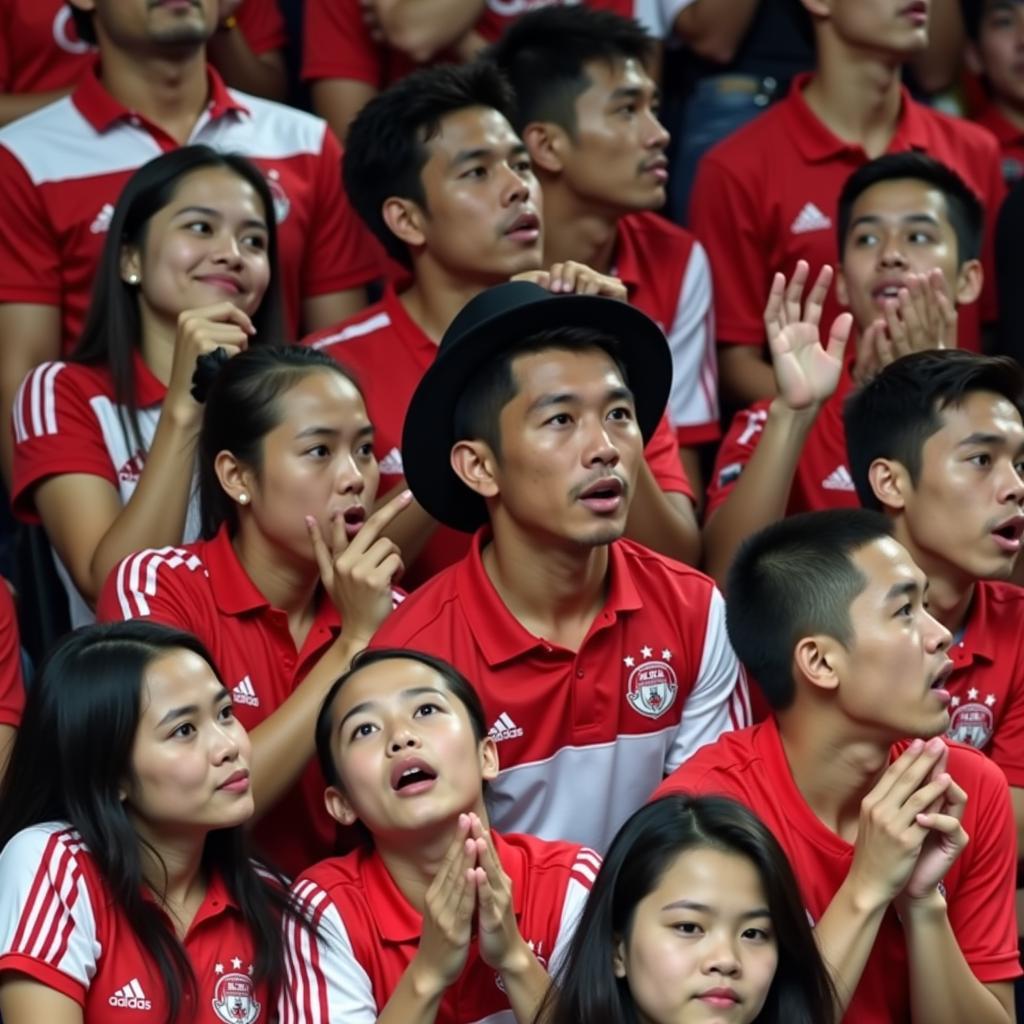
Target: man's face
{"type": "Point", "coordinates": [483, 202]}
{"type": "Point", "coordinates": [162, 23]}
{"type": "Point", "coordinates": [570, 448]}
{"type": "Point", "coordinates": [616, 158]}
{"type": "Point", "coordinates": [898, 228]}
{"type": "Point", "coordinates": [887, 27]}
{"type": "Point", "coordinates": [965, 509]}
{"type": "Point", "coordinates": [999, 50]}
{"type": "Point", "coordinates": [896, 660]}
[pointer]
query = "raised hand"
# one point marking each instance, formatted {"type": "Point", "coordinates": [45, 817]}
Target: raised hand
{"type": "Point", "coordinates": [359, 573]}
{"type": "Point", "coordinates": [572, 278]}
{"type": "Point", "coordinates": [805, 372]}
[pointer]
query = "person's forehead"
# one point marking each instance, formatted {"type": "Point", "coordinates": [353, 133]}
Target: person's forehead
{"type": "Point", "coordinates": [471, 128]}
{"type": "Point", "coordinates": [538, 372]}
{"type": "Point", "coordinates": [885, 563]}
{"type": "Point", "coordinates": [604, 76]}
{"type": "Point", "coordinates": [900, 199]}
{"type": "Point", "coordinates": [384, 681]}
{"type": "Point", "coordinates": [985, 412]}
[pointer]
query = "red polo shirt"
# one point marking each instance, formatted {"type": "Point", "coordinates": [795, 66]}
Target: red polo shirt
{"type": "Point", "coordinates": [63, 167]}
{"type": "Point", "coordinates": [822, 478]}
{"type": "Point", "coordinates": [667, 274]}
{"type": "Point", "coordinates": [203, 588]}
{"type": "Point", "coordinates": [654, 680]}
{"type": "Point", "coordinates": [12, 686]}
{"type": "Point", "coordinates": [1009, 137]}
{"type": "Point", "coordinates": [388, 353]}
{"type": "Point", "coordinates": [987, 706]}
{"type": "Point", "coordinates": [767, 196]}
{"type": "Point", "coordinates": [751, 767]}
{"type": "Point", "coordinates": [40, 51]}
{"type": "Point", "coordinates": [365, 933]}
{"type": "Point", "coordinates": [59, 925]}
{"type": "Point", "coordinates": [337, 43]}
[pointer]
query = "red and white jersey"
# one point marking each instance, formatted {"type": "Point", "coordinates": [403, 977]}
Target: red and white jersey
{"type": "Point", "coordinates": [12, 685]}
{"type": "Point", "coordinates": [388, 353]}
{"type": "Point", "coordinates": [1009, 137]}
{"type": "Point", "coordinates": [653, 681]}
{"type": "Point", "coordinates": [767, 196]}
{"type": "Point", "coordinates": [40, 50]}
{"type": "Point", "coordinates": [59, 925]}
{"type": "Point", "coordinates": [66, 419]}
{"type": "Point", "coordinates": [987, 685]}
{"type": "Point", "coordinates": [751, 767]}
{"type": "Point", "coordinates": [204, 589]}
{"type": "Point", "coordinates": [63, 167]}
{"type": "Point", "coordinates": [667, 274]}
{"type": "Point", "coordinates": [337, 43]}
{"type": "Point", "coordinates": [365, 933]}
{"type": "Point", "coordinates": [822, 479]}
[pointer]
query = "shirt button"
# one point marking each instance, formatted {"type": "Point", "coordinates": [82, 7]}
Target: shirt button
{"type": "Point", "coordinates": [579, 673]}
{"type": "Point", "coordinates": [136, 121]}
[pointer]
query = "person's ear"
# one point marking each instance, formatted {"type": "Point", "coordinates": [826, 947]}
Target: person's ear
{"type": "Point", "coordinates": [130, 264]}
{"type": "Point", "coordinates": [969, 280]}
{"type": "Point", "coordinates": [405, 220]}
{"type": "Point", "coordinates": [889, 483]}
{"type": "Point", "coordinates": [474, 464]}
{"type": "Point", "coordinates": [236, 479]}
{"type": "Point", "coordinates": [547, 144]}
{"type": "Point", "coordinates": [338, 806]}
{"type": "Point", "coordinates": [488, 759]}
{"type": "Point", "coordinates": [619, 957]}
{"type": "Point", "coordinates": [816, 658]}
{"type": "Point", "coordinates": [972, 58]}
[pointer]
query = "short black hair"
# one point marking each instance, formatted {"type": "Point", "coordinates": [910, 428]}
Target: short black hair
{"type": "Point", "coordinates": [478, 411]}
{"type": "Point", "coordinates": [973, 11]}
{"type": "Point", "coordinates": [793, 579]}
{"type": "Point", "coordinates": [544, 55]}
{"type": "Point", "coordinates": [385, 151]}
{"type": "Point", "coordinates": [83, 24]}
{"type": "Point", "coordinates": [456, 682]}
{"type": "Point", "coordinates": [894, 413]}
{"type": "Point", "coordinates": [964, 209]}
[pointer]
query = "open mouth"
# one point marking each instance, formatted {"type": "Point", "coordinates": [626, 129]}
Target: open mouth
{"type": "Point", "coordinates": [603, 495]}
{"type": "Point", "coordinates": [657, 168]}
{"type": "Point", "coordinates": [916, 12]}
{"type": "Point", "coordinates": [412, 776]}
{"type": "Point", "coordinates": [354, 517]}
{"type": "Point", "coordinates": [525, 228]}
{"type": "Point", "coordinates": [938, 684]}
{"type": "Point", "coordinates": [887, 290]}
{"type": "Point", "coordinates": [1007, 535]}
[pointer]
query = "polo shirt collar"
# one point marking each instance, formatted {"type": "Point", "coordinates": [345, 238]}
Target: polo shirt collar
{"type": "Point", "coordinates": [817, 142]}
{"type": "Point", "coordinates": [397, 920]}
{"type": "Point", "coordinates": [992, 118]}
{"type": "Point", "coordinates": [103, 111]}
{"type": "Point", "coordinates": [499, 635]}
{"type": "Point", "coordinates": [977, 641]}
{"type": "Point", "coordinates": [411, 335]}
{"type": "Point", "coordinates": [233, 590]}
{"type": "Point", "coordinates": [626, 262]}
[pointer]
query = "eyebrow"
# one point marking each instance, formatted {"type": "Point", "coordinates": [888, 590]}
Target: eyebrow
{"type": "Point", "coordinates": [192, 709]}
{"type": "Point", "coordinates": [363, 431]}
{"type": "Point", "coordinates": [703, 908]}
{"type": "Point", "coordinates": [907, 589]}
{"type": "Point", "coordinates": [910, 218]}
{"type": "Point", "coordinates": [210, 212]}
{"type": "Point", "coordinates": [367, 705]}
{"type": "Point", "coordinates": [618, 394]}
{"type": "Point", "coordinates": [980, 437]}
{"type": "Point", "coordinates": [485, 153]}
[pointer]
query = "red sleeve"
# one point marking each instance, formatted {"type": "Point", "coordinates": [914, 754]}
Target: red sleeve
{"type": "Point", "coordinates": [735, 452]}
{"type": "Point", "coordinates": [55, 431]}
{"type": "Point", "coordinates": [337, 44]}
{"type": "Point", "coordinates": [981, 910]}
{"type": "Point", "coordinates": [662, 454]}
{"type": "Point", "coordinates": [12, 686]}
{"type": "Point", "coordinates": [725, 216]}
{"type": "Point", "coordinates": [340, 252]}
{"type": "Point", "coordinates": [262, 24]}
{"type": "Point", "coordinates": [29, 254]}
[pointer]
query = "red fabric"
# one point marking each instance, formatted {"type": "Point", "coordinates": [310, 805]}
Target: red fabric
{"type": "Point", "coordinates": [12, 686]}
{"type": "Point", "coordinates": [1009, 137]}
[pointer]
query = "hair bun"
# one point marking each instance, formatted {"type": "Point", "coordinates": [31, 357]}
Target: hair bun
{"type": "Point", "coordinates": [208, 367]}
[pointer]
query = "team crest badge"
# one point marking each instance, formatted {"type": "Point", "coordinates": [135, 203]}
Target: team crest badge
{"type": "Point", "coordinates": [234, 996]}
{"type": "Point", "coordinates": [282, 204]}
{"type": "Point", "coordinates": [971, 723]}
{"type": "Point", "coordinates": [652, 686]}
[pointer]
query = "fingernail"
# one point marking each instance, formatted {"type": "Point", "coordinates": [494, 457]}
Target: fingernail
{"type": "Point", "coordinates": [310, 522]}
{"type": "Point", "coordinates": [406, 495]}
{"type": "Point", "coordinates": [916, 746]}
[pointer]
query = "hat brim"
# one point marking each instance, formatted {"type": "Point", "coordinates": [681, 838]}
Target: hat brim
{"type": "Point", "coordinates": [429, 431]}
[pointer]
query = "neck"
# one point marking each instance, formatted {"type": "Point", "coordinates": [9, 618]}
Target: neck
{"type": "Point", "coordinates": [554, 591]}
{"type": "Point", "coordinates": [288, 583]}
{"type": "Point", "coordinates": [575, 231]}
{"type": "Point", "coordinates": [436, 296]}
{"type": "Point", "coordinates": [172, 867]}
{"type": "Point", "coordinates": [950, 590]}
{"type": "Point", "coordinates": [855, 94]}
{"type": "Point", "coordinates": [413, 860]}
{"type": "Point", "coordinates": [169, 90]}
{"type": "Point", "coordinates": [158, 341]}
{"type": "Point", "coordinates": [1014, 113]}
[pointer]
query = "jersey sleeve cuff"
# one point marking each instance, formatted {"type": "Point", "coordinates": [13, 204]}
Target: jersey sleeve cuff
{"type": "Point", "coordinates": [45, 975]}
{"type": "Point", "coordinates": [22, 502]}
{"type": "Point", "coordinates": [700, 433]}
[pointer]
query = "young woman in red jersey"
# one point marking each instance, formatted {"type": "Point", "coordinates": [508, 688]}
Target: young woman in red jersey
{"type": "Point", "coordinates": [126, 888]}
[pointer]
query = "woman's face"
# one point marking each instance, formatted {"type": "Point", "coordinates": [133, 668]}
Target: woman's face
{"type": "Point", "coordinates": [318, 461]}
{"type": "Point", "coordinates": [701, 946]}
{"type": "Point", "coordinates": [206, 246]}
{"type": "Point", "coordinates": [190, 759]}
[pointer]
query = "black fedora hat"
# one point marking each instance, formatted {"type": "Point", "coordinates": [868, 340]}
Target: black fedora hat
{"type": "Point", "coordinates": [496, 320]}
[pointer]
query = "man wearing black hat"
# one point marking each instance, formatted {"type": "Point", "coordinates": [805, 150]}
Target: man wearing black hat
{"type": "Point", "coordinates": [601, 664]}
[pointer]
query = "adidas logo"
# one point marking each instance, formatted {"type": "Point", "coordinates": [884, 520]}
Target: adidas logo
{"type": "Point", "coordinates": [810, 218]}
{"type": "Point", "coordinates": [838, 480]}
{"type": "Point", "coordinates": [391, 464]}
{"type": "Point", "coordinates": [504, 729]}
{"type": "Point", "coordinates": [243, 693]}
{"type": "Point", "coordinates": [102, 221]}
{"type": "Point", "coordinates": [131, 997]}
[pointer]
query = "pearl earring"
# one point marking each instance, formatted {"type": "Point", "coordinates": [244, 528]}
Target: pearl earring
{"type": "Point", "coordinates": [243, 498]}
{"type": "Point", "coordinates": [133, 278]}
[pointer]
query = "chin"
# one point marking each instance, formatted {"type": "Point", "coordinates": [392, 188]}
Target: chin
{"type": "Point", "coordinates": [602, 535]}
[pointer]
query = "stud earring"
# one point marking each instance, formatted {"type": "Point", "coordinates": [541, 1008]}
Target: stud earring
{"type": "Point", "coordinates": [133, 278]}
{"type": "Point", "coordinates": [243, 498]}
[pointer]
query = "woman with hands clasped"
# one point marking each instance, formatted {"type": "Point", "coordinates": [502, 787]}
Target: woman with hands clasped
{"type": "Point", "coordinates": [104, 444]}
{"type": "Point", "coordinates": [292, 577]}
{"type": "Point", "coordinates": [438, 919]}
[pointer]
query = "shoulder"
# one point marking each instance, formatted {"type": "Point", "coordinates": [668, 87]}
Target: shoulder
{"type": "Point", "coordinates": [725, 766]}
{"type": "Point", "coordinates": [654, 229]}
{"type": "Point", "coordinates": [155, 572]}
{"type": "Point", "coordinates": [51, 850]}
{"type": "Point", "coordinates": [974, 771]}
{"type": "Point", "coordinates": [958, 131]}
{"type": "Point", "coordinates": [434, 604]}
{"type": "Point", "coordinates": [744, 150]}
{"type": "Point", "coordinates": [40, 141]}
{"type": "Point", "coordinates": [273, 130]}
{"type": "Point", "coordinates": [349, 336]}
{"type": "Point", "coordinates": [653, 570]}
{"type": "Point", "coordinates": [1002, 599]}
{"type": "Point", "coordinates": [547, 867]}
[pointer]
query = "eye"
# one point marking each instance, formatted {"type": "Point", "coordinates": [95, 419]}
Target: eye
{"type": "Point", "coordinates": [864, 239]}
{"type": "Point", "coordinates": [184, 731]}
{"type": "Point", "coordinates": [982, 460]}
{"type": "Point", "coordinates": [318, 451]}
{"type": "Point", "coordinates": [628, 109]}
{"type": "Point", "coordinates": [1019, 467]}
{"type": "Point", "coordinates": [560, 419]}
{"type": "Point", "coordinates": [621, 413]}
{"type": "Point", "coordinates": [257, 241]}
{"type": "Point", "coordinates": [757, 934]}
{"type": "Point", "coordinates": [474, 172]}
{"type": "Point", "coordinates": [226, 713]}
{"type": "Point", "coordinates": [688, 928]}
{"type": "Point", "coordinates": [523, 166]}
{"type": "Point", "coordinates": [428, 709]}
{"type": "Point", "coordinates": [365, 451]}
{"type": "Point", "coordinates": [198, 227]}
{"type": "Point", "coordinates": [362, 730]}
{"type": "Point", "coordinates": [920, 238]}
{"type": "Point", "coordinates": [906, 611]}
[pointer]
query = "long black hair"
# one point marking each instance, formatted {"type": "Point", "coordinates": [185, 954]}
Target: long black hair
{"type": "Point", "coordinates": [68, 763]}
{"type": "Point", "coordinates": [587, 992]}
{"type": "Point", "coordinates": [241, 407]}
{"type": "Point", "coordinates": [113, 325]}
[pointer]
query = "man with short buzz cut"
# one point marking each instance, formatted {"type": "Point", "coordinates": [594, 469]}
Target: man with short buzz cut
{"type": "Point", "coordinates": [437, 172]}
{"type": "Point", "coordinates": [902, 844]}
{"type": "Point", "coordinates": [599, 662]}
{"type": "Point", "coordinates": [587, 108]}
